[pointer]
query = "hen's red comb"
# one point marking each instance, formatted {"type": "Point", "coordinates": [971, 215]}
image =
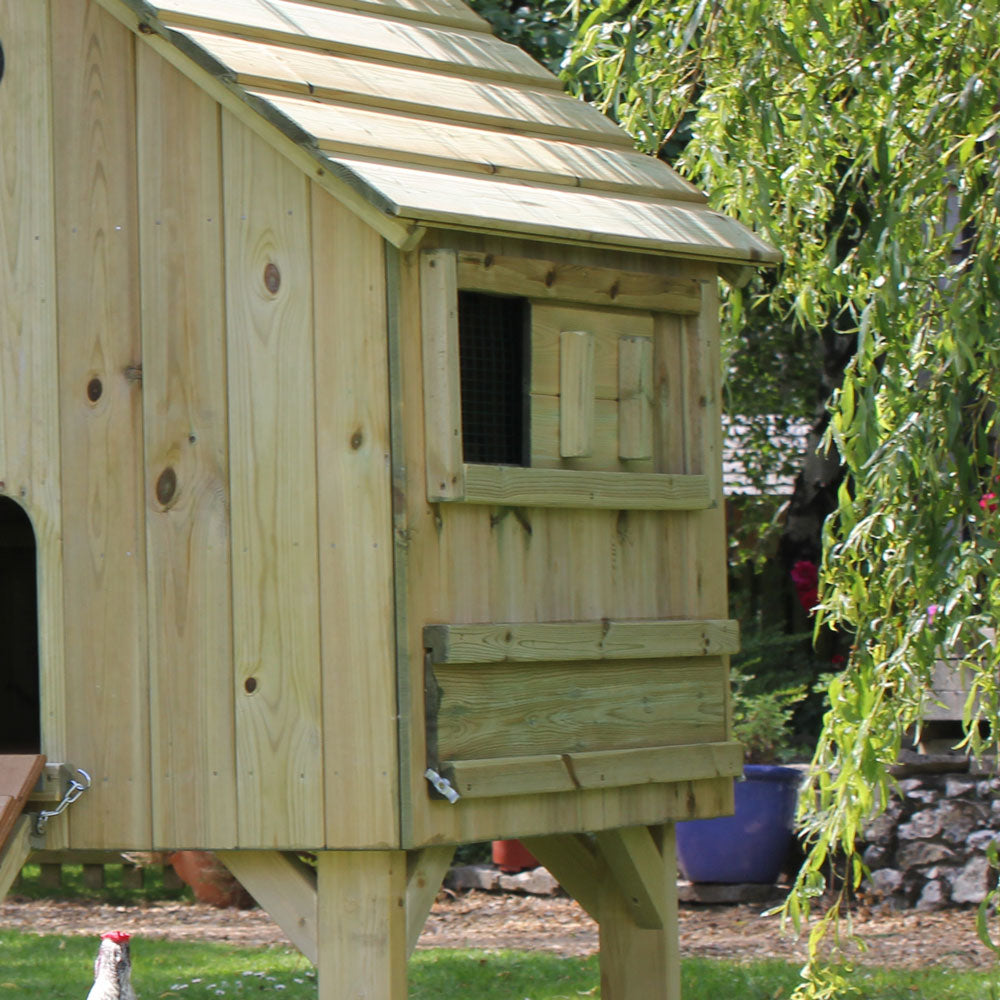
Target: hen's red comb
{"type": "Point", "coordinates": [119, 937]}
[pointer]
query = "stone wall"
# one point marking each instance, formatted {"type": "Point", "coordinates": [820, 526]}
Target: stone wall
{"type": "Point", "coordinates": [928, 850]}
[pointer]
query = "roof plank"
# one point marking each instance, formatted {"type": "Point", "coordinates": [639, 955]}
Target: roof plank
{"type": "Point", "coordinates": [356, 33]}
{"type": "Point", "coordinates": [325, 76]}
{"type": "Point", "coordinates": [414, 123]}
{"type": "Point", "coordinates": [457, 200]}
{"type": "Point", "coordinates": [411, 140]}
{"type": "Point", "coordinates": [443, 12]}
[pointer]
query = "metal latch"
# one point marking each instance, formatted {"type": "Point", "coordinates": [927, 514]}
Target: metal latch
{"type": "Point", "coordinates": [442, 785]}
{"type": "Point", "coordinates": [75, 790]}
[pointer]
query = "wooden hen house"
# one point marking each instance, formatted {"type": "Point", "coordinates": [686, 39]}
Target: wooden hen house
{"type": "Point", "coordinates": [359, 461]}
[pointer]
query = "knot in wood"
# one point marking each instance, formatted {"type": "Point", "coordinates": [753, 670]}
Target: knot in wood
{"type": "Point", "coordinates": [166, 486]}
{"type": "Point", "coordinates": [272, 278]}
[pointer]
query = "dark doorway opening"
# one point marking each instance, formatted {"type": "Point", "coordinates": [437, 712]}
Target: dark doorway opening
{"type": "Point", "coordinates": [20, 703]}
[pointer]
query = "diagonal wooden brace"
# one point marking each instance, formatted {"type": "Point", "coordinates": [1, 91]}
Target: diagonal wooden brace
{"type": "Point", "coordinates": [287, 888]}
{"type": "Point", "coordinates": [637, 865]}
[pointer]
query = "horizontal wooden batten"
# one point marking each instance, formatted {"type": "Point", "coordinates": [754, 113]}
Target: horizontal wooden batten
{"type": "Point", "coordinates": [502, 485]}
{"type": "Point", "coordinates": [550, 773]}
{"type": "Point", "coordinates": [598, 286]}
{"type": "Point", "coordinates": [527, 642]}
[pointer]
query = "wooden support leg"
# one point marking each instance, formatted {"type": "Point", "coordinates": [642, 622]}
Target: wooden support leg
{"type": "Point", "coordinates": [627, 881]}
{"type": "Point", "coordinates": [362, 925]}
{"type": "Point", "coordinates": [93, 876]}
{"type": "Point", "coordinates": [639, 962]}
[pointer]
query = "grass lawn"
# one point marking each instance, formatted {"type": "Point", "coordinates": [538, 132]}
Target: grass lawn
{"type": "Point", "coordinates": [59, 968]}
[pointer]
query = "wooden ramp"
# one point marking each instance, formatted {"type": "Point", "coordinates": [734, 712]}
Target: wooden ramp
{"type": "Point", "coordinates": [18, 776]}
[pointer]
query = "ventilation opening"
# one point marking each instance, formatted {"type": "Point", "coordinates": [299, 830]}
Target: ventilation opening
{"type": "Point", "coordinates": [20, 705]}
{"type": "Point", "coordinates": [495, 361]}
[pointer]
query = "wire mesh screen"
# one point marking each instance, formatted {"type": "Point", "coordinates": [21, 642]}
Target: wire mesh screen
{"type": "Point", "coordinates": [494, 362]}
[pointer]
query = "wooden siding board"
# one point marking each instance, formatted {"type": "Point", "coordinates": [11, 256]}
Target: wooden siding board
{"type": "Point", "coordinates": [608, 326]}
{"type": "Point", "coordinates": [101, 424]}
{"type": "Point", "coordinates": [273, 487]}
{"type": "Point", "coordinates": [29, 404]}
{"type": "Point", "coordinates": [514, 709]}
{"type": "Point", "coordinates": [604, 454]}
{"type": "Point", "coordinates": [355, 530]}
{"type": "Point", "coordinates": [186, 445]}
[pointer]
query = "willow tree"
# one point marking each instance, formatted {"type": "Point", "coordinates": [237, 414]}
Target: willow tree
{"type": "Point", "coordinates": [860, 138]}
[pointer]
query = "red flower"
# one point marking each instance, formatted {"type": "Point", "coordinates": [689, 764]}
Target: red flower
{"type": "Point", "coordinates": [805, 577]}
{"type": "Point", "coordinates": [989, 502]}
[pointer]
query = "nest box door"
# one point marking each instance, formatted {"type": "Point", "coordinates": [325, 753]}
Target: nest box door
{"type": "Point", "coordinates": [19, 687]}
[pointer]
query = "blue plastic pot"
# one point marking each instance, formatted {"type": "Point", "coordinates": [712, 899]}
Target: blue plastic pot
{"type": "Point", "coordinates": [750, 846]}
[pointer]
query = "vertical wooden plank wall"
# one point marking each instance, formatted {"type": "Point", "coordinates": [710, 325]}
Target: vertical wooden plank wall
{"type": "Point", "coordinates": [355, 529]}
{"type": "Point", "coordinates": [100, 385]}
{"type": "Point", "coordinates": [29, 405]}
{"type": "Point", "coordinates": [277, 643]}
{"type": "Point", "coordinates": [186, 457]}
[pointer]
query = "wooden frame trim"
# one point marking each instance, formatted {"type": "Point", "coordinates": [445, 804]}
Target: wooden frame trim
{"type": "Point", "coordinates": [512, 486]}
{"type": "Point", "coordinates": [442, 387]}
{"type": "Point", "coordinates": [531, 642]}
{"type": "Point", "coordinates": [548, 773]}
{"type": "Point", "coordinates": [573, 283]}
{"type": "Point", "coordinates": [449, 478]}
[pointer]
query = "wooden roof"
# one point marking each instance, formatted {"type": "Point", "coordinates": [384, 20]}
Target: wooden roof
{"type": "Point", "coordinates": [415, 106]}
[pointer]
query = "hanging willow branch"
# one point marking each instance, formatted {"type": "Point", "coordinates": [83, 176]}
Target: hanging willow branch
{"type": "Point", "coordinates": [861, 138]}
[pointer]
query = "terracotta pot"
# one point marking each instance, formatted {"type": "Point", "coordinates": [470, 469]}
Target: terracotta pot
{"type": "Point", "coordinates": [210, 880]}
{"type": "Point", "coordinates": [512, 856]}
